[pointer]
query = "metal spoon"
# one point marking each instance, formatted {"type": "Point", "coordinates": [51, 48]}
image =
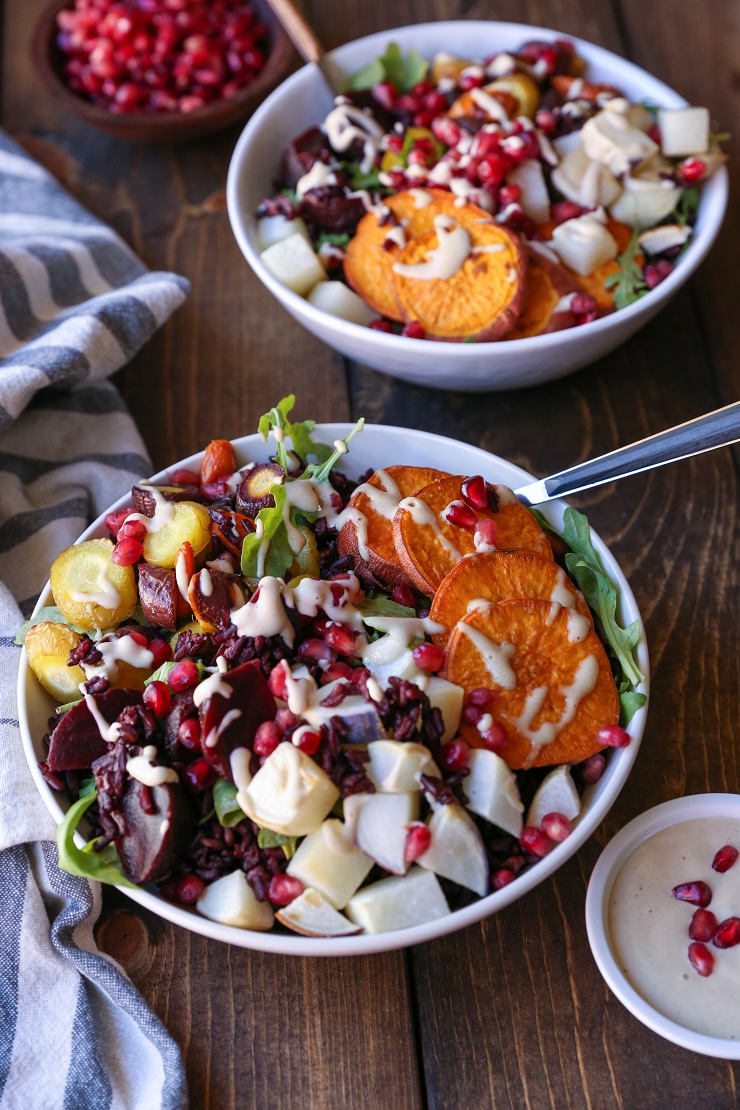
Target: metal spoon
{"type": "Point", "coordinates": [715, 429]}
{"type": "Point", "coordinates": [307, 44]}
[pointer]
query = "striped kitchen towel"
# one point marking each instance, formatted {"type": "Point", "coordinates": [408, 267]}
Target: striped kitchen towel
{"type": "Point", "coordinates": [75, 305]}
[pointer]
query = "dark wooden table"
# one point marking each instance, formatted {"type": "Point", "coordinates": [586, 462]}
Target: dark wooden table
{"type": "Point", "coordinates": [512, 1012]}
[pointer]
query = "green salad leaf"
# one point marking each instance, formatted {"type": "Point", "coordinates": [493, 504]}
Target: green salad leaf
{"type": "Point", "coordinates": [278, 555]}
{"type": "Point", "coordinates": [49, 614]}
{"type": "Point", "coordinates": [266, 838]}
{"type": "Point", "coordinates": [402, 70]}
{"type": "Point", "coordinates": [320, 472]}
{"type": "Point", "coordinates": [227, 808]}
{"type": "Point", "coordinates": [382, 606]}
{"type": "Point", "coordinates": [299, 434]}
{"type": "Point", "coordinates": [334, 239]}
{"type": "Point", "coordinates": [67, 705]}
{"type": "Point", "coordinates": [103, 866]}
{"type": "Point", "coordinates": [687, 205]}
{"type": "Point", "coordinates": [629, 282]}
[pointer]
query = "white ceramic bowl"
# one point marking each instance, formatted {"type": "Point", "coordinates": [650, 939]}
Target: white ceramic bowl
{"type": "Point", "coordinates": [303, 101]}
{"type": "Point", "coordinates": [377, 446]}
{"type": "Point", "coordinates": [600, 888]}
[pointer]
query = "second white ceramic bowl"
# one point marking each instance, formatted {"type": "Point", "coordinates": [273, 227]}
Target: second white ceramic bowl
{"type": "Point", "coordinates": [303, 101]}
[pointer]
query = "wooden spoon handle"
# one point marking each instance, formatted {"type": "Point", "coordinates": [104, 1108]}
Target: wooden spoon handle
{"type": "Point", "coordinates": [302, 35]}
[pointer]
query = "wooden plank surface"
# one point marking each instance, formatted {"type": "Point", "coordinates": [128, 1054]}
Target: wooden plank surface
{"type": "Point", "coordinates": [510, 1013]}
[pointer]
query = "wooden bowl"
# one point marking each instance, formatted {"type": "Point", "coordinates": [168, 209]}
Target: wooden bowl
{"type": "Point", "coordinates": [162, 127]}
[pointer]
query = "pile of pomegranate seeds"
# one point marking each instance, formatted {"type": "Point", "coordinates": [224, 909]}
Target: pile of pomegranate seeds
{"type": "Point", "coordinates": [703, 926]}
{"type": "Point", "coordinates": [160, 55]}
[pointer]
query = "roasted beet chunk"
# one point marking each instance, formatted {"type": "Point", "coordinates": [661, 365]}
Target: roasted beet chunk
{"type": "Point", "coordinates": [182, 708]}
{"type": "Point", "coordinates": [158, 595]}
{"type": "Point", "coordinates": [332, 210]}
{"type": "Point", "coordinates": [211, 597]}
{"type": "Point", "coordinates": [159, 823]}
{"type": "Point", "coordinates": [76, 741]}
{"type": "Point", "coordinates": [301, 154]}
{"type": "Point", "coordinates": [250, 704]}
{"type": "Point", "coordinates": [144, 502]}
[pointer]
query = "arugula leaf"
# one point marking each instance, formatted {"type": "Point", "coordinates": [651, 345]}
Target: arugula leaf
{"type": "Point", "coordinates": [334, 239]}
{"type": "Point", "coordinates": [629, 283]}
{"type": "Point", "coordinates": [321, 471]}
{"type": "Point", "coordinates": [629, 702]}
{"type": "Point", "coordinates": [87, 787]}
{"type": "Point", "coordinates": [370, 180]}
{"type": "Point", "coordinates": [103, 866]}
{"type": "Point", "coordinates": [266, 838]}
{"type": "Point", "coordinates": [601, 595]}
{"type": "Point", "coordinates": [402, 70]}
{"type": "Point", "coordinates": [687, 205]}
{"type": "Point", "coordinates": [717, 137]}
{"type": "Point", "coordinates": [162, 673]}
{"type": "Point", "coordinates": [279, 555]}
{"type": "Point", "coordinates": [299, 433]}
{"type": "Point", "coordinates": [50, 614]}
{"type": "Point", "coordinates": [383, 607]}
{"type": "Point", "coordinates": [227, 808]}
{"type": "Point", "coordinates": [68, 705]}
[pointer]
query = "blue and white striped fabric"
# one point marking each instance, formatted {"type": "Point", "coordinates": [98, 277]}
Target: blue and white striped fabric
{"type": "Point", "coordinates": [75, 305]}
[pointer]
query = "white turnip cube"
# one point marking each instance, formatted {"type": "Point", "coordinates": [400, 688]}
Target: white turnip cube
{"type": "Point", "coordinates": [273, 229]}
{"type": "Point", "coordinates": [683, 131]}
{"type": "Point", "coordinates": [584, 244]}
{"type": "Point", "coordinates": [399, 903]}
{"type": "Point", "coordinates": [294, 262]}
{"type": "Point", "coordinates": [337, 299]}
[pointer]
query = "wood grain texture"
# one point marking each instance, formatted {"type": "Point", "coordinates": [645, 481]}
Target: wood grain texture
{"type": "Point", "coordinates": [513, 1012]}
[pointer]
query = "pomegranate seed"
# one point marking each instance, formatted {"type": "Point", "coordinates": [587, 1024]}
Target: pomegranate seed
{"type": "Point", "coordinates": [535, 841]}
{"type": "Point", "coordinates": [545, 120]}
{"type": "Point", "coordinates": [395, 143]}
{"type": "Point", "coordinates": [703, 925]}
{"type": "Point", "coordinates": [317, 650]}
{"type": "Point", "coordinates": [285, 719]}
{"type": "Point", "coordinates": [487, 529]}
{"type": "Point", "coordinates": [593, 768]}
{"type": "Point", "coordinates": [566, 210]}
{"type": "Point", "coordinates": [727, 933]}
{"type": "Point", "coordinates": [481, 695]}
{"type": "Point", "coordinates": [266, 738]}
{"type": "Point", "coordinates": [422, 88]}
{"type": "Point", "coordinates": [454, 756]}
{"type": "Point", "coordinates": [470, 81]}
{"type": "Point", "coordinates": [556, 826]}
{"type": "Point", "coordinates": [278, 680]}
{"type": "Point", "coordinates": [509, 194]}
{"type": "Point", "coordinates": [190, 103]}
{"type": "Point", "coordinates": [435, 102]}
{"type": "Point", "coordinates": [428, 657]}
{"type": "Point", "coordinates": [471, 714]}
{"type": "Point", "coordinates": [138, 638]}
{"type": "Point", "coordinates": [189, 888]}
{"type": "Point", "coordinates": [189, 734]}
{"type": "Point", "coordinates": [474, 492]}
{"type": "Point", "coordinates": [284, 889]}
{"type": "Point", "coordinates": [403, 595]}
{"type": "Point", "coordinates": [161, 651]}
{"type": "Point", "coordinates": [127, 552]}
{"type": "Point", "coordinates": [385, 94]}
{"type": "Point", "coordinates": [183, 675]}
{"type": "Point", "coordinates": [306, 740]}
{"type": "Point", "coordinates": [319, 627]}
{"type": "Point", "coordinates": [493, 169]}
{"type": "Point", "coordinates": [656, 272]}
{"type": "Point", "coordinates": [157, 697]}
{"type": "Point", "coordinates": [335, 671]}
{"type": "Point", "coordinates": [341, 638]}
{"type": "Point", "coordinates": [613, 737]}
{"type": "Point", "coordinates": [502, 878]}
{"type": "Point", "coordinates": [701, 958]}
{"type": "Point", "coordinates": [583, 303]}
{"type": "Point", "coordinates": [446, 131]}
{"type": "Point", "coordinates": [408, 105]}
{"type": "Point", "coordinates": [380, 325]}
{"type": "Point", "coordinates": [462, 516]}
{"type": "Point", "coordinates": [413, 330]}
{"type": "Point", "coordinates": [418, 840]}
{"type": "Point", "coordinates": [132, 530]}
{"type": "Point", "coordinates": [696, 893]}
{"type": "Point", "coordinates": [199, 775]}
{"type": "Point", "coordinates": [495, 738]}
{"type": "Point", "coordinates": [692, 169]}
{"type": "Point", "coordinates": [184, 478]}
{"type": "Point", "coordinates": [724, 858]}
{"type": "Point", "coordinates": [113, 521]}
{"type": "Point", "coordinates": [214, 490]}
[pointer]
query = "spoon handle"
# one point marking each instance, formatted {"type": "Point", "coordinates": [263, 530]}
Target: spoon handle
{"type": "Point", "coordinates": [305, 41]}
{"type": "Point", "coordinates": [714, 429]}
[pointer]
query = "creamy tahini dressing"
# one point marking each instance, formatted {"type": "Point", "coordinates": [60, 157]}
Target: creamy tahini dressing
{"type": "Point", "coordinates": [228, 719]}
{"type": "Point", "coordinates": [421, 197]}
{"type": "Point", "coordinates": [164, 511]}
{"type": "Point", "coordinates": [422, 514]}
{"type": "Point", "coordinates": [492, 107]}
{"type": "Point", "coordinates": [495, 656]}
{"type": "Point", "coordinates": [582, 685]}
{"type": "Point", "coordinates": [345, 124]}
{"type": "Point", "coordinates": [141, 767]}
{"type": "Point", "coordinates": [213, 686]}
{"type": "Point", "coordinates": [648, 927]}
{"type": "Point", "coordinates": [446, 259]}
{"type": "Point", "coordinates": [182, 578]}
{"type": "Point", "coordinates": [123, 649]}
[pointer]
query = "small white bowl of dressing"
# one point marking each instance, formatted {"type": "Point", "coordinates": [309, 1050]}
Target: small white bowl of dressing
{"type": "Point", "coordinates": [639, 933]}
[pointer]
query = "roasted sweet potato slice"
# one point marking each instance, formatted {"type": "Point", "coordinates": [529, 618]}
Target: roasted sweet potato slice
{"type": "Point", "coordinates": [429, 546]}
{"type": "Point", "coordinates": [467, 105]}
{"type": "Point", "coordinates": [377, 501]}
{"type": "Point", "coordinates": [550, 671]}
{"type": "Point", "coordinates": [587, 90]}
{"type": "Point", "coordinates": [481, 298]}
{"type": "Point", "coordinates": [368, 264]}
{"type": "Point", "coordinates": [501, 576]}
{"type": "Point", "coordinates": [547, 283]}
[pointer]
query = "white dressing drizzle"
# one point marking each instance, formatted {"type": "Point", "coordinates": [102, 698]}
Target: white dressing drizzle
{"type": "Point", "coordinates": [123, 649]}
{"type": "Point", "coordinates": [317, 177]}
{"type": "Point", "coordinates": [492, 107]}
{"type": "Point", "coordinates": [446, 259]}
{"type": "Point", "coordinates": [106, 595]}
{"type": "Point", "coordinates": [205, 582]}
{"type": "Point", "coordinates": [227, 719]}
{"type": "Point", "coordinates": [265, 612]}
{"type": "Point", "coordinates": [214, 685]}
{"type": "Point", "coordinates": [423, 515]}
{"type": "Point", "coordinates": [495, 656]}
{"type": "Point", "coordinates": [346, 124]}
{"type": "Point", "coordinates": [141, 767]}
{"type": "Point", "coordinates": [421, 197]}
{"type": "Point", "coordinates": [164, 511]}
{"type": "Point", "coordinates": [582, 685]}
{"type": "Point", "coordinates": [182, 578]}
